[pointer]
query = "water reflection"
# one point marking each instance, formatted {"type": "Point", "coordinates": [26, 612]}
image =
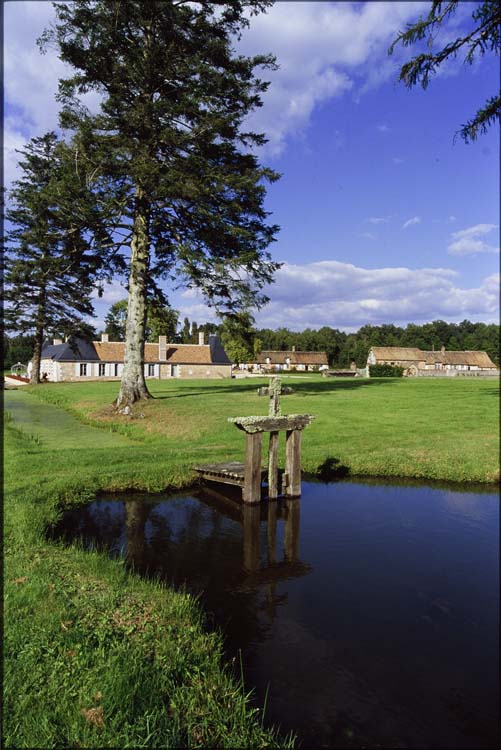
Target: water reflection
{"type": "Point", "coordinates": [366, 614]}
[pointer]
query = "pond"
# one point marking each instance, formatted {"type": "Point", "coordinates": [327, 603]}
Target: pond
{"type": "Point", "coordinates": [366, 614]}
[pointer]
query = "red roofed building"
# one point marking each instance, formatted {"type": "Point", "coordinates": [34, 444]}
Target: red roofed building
{"type": "Point", "coordinates": [77, 360]}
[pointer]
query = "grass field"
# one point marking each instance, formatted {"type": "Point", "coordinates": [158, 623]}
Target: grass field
{"type": "Point", "coordinates": [96, 657]}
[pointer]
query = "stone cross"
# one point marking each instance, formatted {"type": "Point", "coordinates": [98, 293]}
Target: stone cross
{"type": "Point", "coordinates": [274, 391]}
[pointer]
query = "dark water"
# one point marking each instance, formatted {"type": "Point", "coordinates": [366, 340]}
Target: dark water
{"type": "Point", "coordinates": [367, 615]}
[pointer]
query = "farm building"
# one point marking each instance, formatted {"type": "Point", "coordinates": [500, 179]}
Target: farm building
{"type": "Point", "coordinates": [290, 360]}
{"type": "Point", "coordinates": [78, 360]}
{"type": "Point", "coordinates": [419, 362]}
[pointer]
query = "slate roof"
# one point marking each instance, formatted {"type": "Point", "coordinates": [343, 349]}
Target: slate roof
{"type": "Point", "coordinates": [114, 351]}
{"type": "Point", "coordinates": [75, 350]}
{"type": "Point", "coordinates": [296, 358]}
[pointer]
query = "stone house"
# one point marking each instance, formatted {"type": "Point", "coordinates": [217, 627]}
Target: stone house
{"type": "Point", "coordinates": [81, 361]}
{"type": "Point", "coordinates": [419, 362]}
{"type": "Point", "coordinates": [289, 361]}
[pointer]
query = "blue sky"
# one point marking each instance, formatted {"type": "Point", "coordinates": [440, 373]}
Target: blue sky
{"type": "Point", "coordinates": [385, 219]}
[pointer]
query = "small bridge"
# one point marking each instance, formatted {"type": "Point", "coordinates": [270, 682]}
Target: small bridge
{"type": "Point", "coordinates": [250, 474]}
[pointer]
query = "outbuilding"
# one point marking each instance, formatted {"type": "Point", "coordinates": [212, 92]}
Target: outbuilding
{"type": "Point", "coordinates": [420, 362]}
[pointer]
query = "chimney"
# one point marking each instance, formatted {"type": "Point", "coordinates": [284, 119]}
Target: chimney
{"type": "Point", "coordinates": [57, 342]}
{"type": "Point", "coordinates": [104, 338]}
{"type": "Point", "coordinates": [201, 338]}
{"type": "Point", "coordinates": [442, 349]}
{"type": "Point", "coordinates": [162, 348]}
{"type": "Point", "coordinates": [293, 348]}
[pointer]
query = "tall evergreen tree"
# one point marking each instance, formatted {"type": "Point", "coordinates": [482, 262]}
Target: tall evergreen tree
{"type": "Point", "coordinates": [50, 268]}
{"type": "Point", "coordinates": [169, 147]}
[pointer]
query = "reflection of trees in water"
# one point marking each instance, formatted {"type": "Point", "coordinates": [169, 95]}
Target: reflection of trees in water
{"type": "Point", "coordinates": [223, 551]}
{"type": "Point", "coordinates": [100, 524]}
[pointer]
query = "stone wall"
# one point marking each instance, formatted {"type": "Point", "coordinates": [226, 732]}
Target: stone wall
{"type": "Point", "coordinates": [69, 372]}
{"type": "Point", "coordinates": [195, 371]}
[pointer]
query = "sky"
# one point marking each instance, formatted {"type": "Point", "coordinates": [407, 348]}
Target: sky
{"type": "Point", "coordinates": [385, 216]}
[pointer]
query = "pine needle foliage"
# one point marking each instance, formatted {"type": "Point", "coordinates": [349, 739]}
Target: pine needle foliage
{"type": "Point", "coordinates": [50, 265]}
{"type": "Point", "coordinates": [168, 150]}
{"type": "Point", "coordinates": [484, 37]}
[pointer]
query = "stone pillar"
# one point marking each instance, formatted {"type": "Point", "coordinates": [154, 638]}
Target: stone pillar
{"type": "Point", "coordinates": [293, 463]}
{"type": "Point", "coordinates": [252, 474]}
{"type": "Point", "coordinates": [273, 467]}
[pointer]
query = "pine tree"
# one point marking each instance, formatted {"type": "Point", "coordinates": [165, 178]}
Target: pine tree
{"type": "Point", "coordinates": [169, 149]}
{"type": "Point", "coordinates": [484, 36]}
{"type": "Point", "coordinates": [50, 268]}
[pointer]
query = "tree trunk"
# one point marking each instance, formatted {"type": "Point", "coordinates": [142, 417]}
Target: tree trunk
{"type": "Point", "coordinates": [37, 351]}
{"type": "Point", "coordinates": [133, 385]}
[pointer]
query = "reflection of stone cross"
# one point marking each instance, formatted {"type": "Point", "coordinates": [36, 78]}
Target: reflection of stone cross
{"type": "Point", "coordinates": [274, 391]}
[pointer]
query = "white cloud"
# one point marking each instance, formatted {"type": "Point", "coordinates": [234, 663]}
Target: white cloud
{"type": "Point", "coordinates": [379, 219]}
{"type": "Point", "coordinates": [367, 235]}
{"type": "Point", "coordinates": [412, 222]}
{"type": "Point", "coordinates": [470, 241]}
{"type": "Point", "coordinates": [320, 48]}
{"type": "Point", "coordinates": [397, 160]}
{"type": "Point", "coordinates": [383, 128]}
{"type": "Point", "coordinates": [451, 219]}
{"type": "Point", "coordinates": [30, 79]}
{"type": "Point", "coordinates": [346, 296]}
{"type": "Point", "coordinates": [112, 292]}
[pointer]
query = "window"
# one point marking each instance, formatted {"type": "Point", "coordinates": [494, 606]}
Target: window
{"type": "Point", "coordinates": [83, 369]}
{"type": "Point", "coordinates": [102, 369]}
{"type": "Point", "coordinates": [151, 370]}
{"type": "Point", "coordinates": [115, 370]}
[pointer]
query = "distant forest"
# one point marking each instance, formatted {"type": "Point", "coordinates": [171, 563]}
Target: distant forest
{"type": "Point", "coordinates": [341, 348]}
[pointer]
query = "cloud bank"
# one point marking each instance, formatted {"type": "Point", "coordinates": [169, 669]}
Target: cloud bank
{"type": "Point", "coordinates": [345, 296]}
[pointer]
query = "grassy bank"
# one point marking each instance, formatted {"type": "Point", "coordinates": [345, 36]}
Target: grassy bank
{"type": "Point", "coordinates": [96, 657]}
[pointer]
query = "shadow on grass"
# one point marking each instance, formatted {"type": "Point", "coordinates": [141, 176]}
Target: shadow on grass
{"type": "Point", "coordinates": [309, 387]}
{"type": "Point", "coordinates": [331, 470]}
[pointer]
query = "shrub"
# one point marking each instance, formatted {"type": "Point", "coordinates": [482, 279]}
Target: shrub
{"type": "Point", "coordinates": [386, 371]}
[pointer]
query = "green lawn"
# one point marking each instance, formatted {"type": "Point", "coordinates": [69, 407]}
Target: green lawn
{"type": "Point", "coordinates": [96, 657]}
{"type": "Point", "coordinates": [443, 429]}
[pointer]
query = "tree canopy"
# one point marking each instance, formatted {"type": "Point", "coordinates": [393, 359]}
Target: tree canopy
{"type": "Point", "coordinates": [50, 267]}
{"type": "Point", "coordinates": [484, 36]}
{"type": "Point", "coordinates": [167, 154]}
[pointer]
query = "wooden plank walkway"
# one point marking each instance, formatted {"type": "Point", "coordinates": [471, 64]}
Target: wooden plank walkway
{"type": "Point", "coordinates": [232, 472]}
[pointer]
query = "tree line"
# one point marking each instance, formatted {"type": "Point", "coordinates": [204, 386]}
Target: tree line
{"type": "Point", "coordinates": [343, 348]}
